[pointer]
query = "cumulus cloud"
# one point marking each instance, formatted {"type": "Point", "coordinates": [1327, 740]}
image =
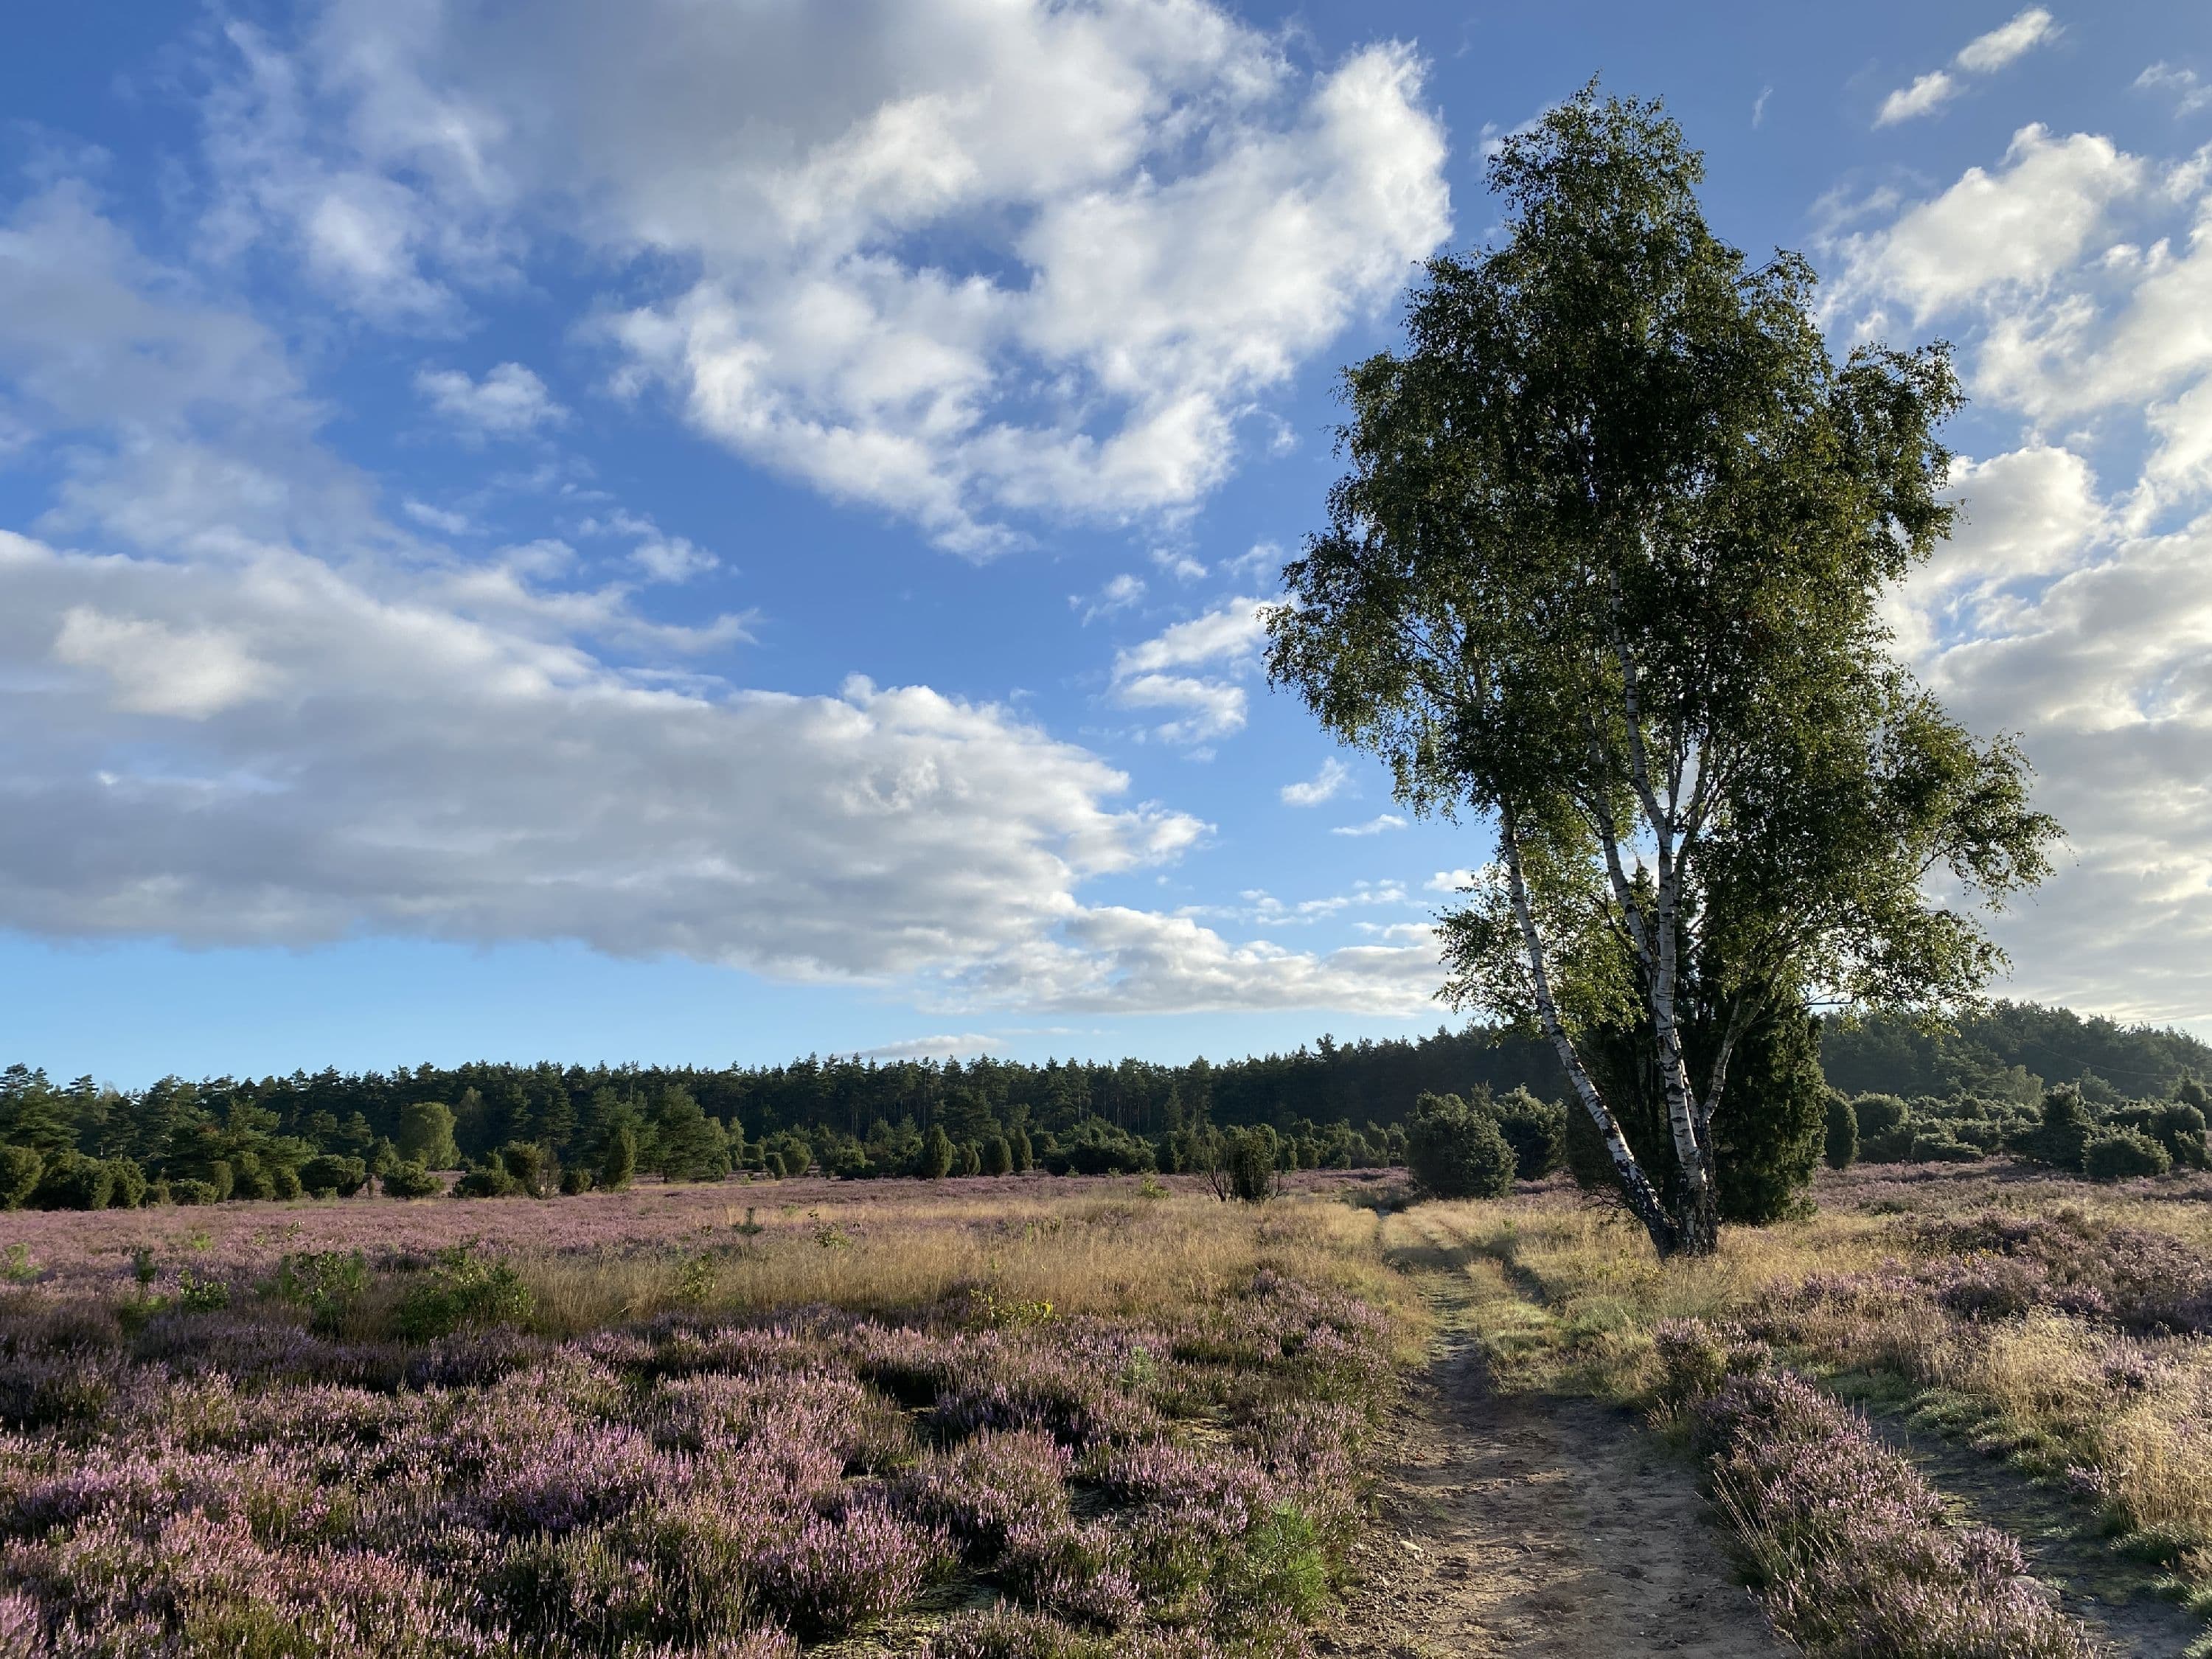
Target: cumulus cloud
{"type": "Point", "coordinates": [2006, 232]}
{"type": "Point", "coordinates": [2188, 89]}
{"type": "Point", "coordinates": [509, 402]}
{"type": "Point", "coordinates": [2074, 607]}
{"type": "Point", "coordinates": [1985, 54]}
{"type": "Point", "coordinates": [1324, 785]}
{"type": "Point", "coordinates": [964, 265]}
{"type": "Point", "coordinates": [1225, 640]}
{"type": "Point", "coordinates": [252, 712]}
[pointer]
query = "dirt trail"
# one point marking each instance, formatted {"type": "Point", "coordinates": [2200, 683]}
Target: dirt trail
{"type": "Point", "coordinates": [1536, 1527]}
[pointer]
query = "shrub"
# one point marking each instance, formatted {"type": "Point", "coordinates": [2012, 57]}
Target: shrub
{"type": "Point", "coordinates": [20, 1170]}
{"type": "Point", "coordinates": [1455, 1151]}
{"type": "Point", "coordinates": [127, 1190]}
{"type": "Point", "coordinates": [1025, 1154]}
{"type": "Point", "coordinates": [1536, 1129]}
{"type": "Point", "coordinates": [1250, 1158]}
{"type": "Point", "coordinates": [410, 1181]}
{"type": "Point", "coordinates": [186, 1190]}
{"type": "Point", "coordinates": [575, 1179]}
{"type": "Point", "coordinates": [997, 1157]}
{"type": "Point", "coordinates": [936, 1154]}
{"type": "Point", "coordinates": [2062, 1137]}
{"type": "Point", "coordinates": [2180, 1129]}
{"type": "Point", "coordinates": [1942, 1148]}
{"type": "Point", "coordinates": [72, 1181]}
{"type": "Point", "coordinates": [2121, 1154]}
{"type": "Point", "coordinates": [327, 1173]}
{"type": "Point", "coordinates": [326, 1283]}
{"type": "Point", "coordinates": [529, 1166]}
{"type": "Point", "coordinates": [284, 1182]}
{"type": "Point", "coordinates": [464, 1290]}
{"type": "Point", "coordinates": [490, 1180]}
{"type": "Point", "coordinates": [618, 1159]}
{"type": "Point", "coordinates": [1842, 1147]}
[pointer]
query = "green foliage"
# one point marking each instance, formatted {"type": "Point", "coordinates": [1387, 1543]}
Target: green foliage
{"type": "Point", "coordinates": [20, 1169]}
{"type": "Point", "coordinates": [186, 1190]}
{"type": "Point", "coordinates": [71, 1180]}
{"type": "Point", "coordinates": [327, 1175]}
{"type": "Point", "coordinates": [1610, 445]}
{"type": "Point", "coordinates": [618, 1160]}
{"type": "Point", "coordinates": [2062, 1137]}
{"type": "Point", "coordinates": [529, 1170]}
{"type": "Point", "coordinates": [487, 1180]}
{"type": "Point", "coordinates": [1536, 1129]}
{"type": "Point", "coordinates": [198, 1295]}
{"type": "Point", "coordinates": [328, 1284]}
{"type": "Point", "coordinates": [1456, 1151]}
{"type": "Point", "coordinates": [463, 1291]}
{"type": "Point", "coordinates": [997, 1157]}
{"type": "Point", "coordinates": [126, 1184]}
{"type": "Point", "coordinates": [971, 1159]}
{"type": "Point", "coordinates": [408, 1180]}
{"type": "Point", "coordinates": [2124, 1154]}
{"type": "Point", "coordinates": [936, 1161]}
{"type": "Point", "coordinates": [1840, 1145]}
{"type": "Point", "coordinates": [426, 1135]}
{"type": "Point", "coordinates": [576, 1178]}
{"type": "Point", "coordinates": [1252, 1156]}
{"type": "Point", "coordinates": [688, 1144]}
{"type": "Point", "coordinates": [2179, 1128]}
{"type": "Point", "coordinates": [1025, 1154]}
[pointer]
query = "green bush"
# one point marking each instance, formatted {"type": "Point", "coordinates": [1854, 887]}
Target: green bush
{"type": "Point", "coordinates": [127, 1188]}
{"type": "Point", "coordinates": [2061, 1138]}
{"type": "Point", "coordinates": [618, 1159]}
{"type": "Point", "coordinates": [529, 1166]}
{"type": "Point", "coordinates": [405, 1180]}
{"type": "Point", "coordinates": [426, 1135]}
{"type": "Point", "coordinates": [1252, 1162]}
{"type": "Point", "coordinates": [1024, 1153]}
{"type": "Point", "coordinates": [71, 1180]}
{"type": "Point", "coordinates": [488, 1180]}
{"type": "Point", "coordinates": [284, 1182]}
{"type": "Point", "coordinates": [1536, 1129]}
{"type": "Point", "coordinates": [936, 1154]}
{"type": "Point", "coordinates": [997, 1157]}
{"type": "Point", "coordinates": [1940, 1148]}
{"type": "Point", "coordinates": [2180, 1129]}
{"type": "Point", "coordinates": [463, 1289]}
{"type": "Point", "coordinates": [575, 1179]}
{"type": "Point", "coordinates": [327, 1174]}
{"type": "Point", "coordinates": [1841, 1149]}
{"type": "Point", "coordinates": [328, 1284]}
{"type": "Point", "coordinates": [1456, 1151]}
{"type": "Point", "coordinates": [2121, 1154]}
{"type": "Point", "coordinates": [20, 1170]}
{"type": "Point", "coordinates": [186, 1190]}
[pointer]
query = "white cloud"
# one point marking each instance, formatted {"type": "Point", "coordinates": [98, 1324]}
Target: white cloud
{"type": "Point", "coordinates": [1758, 107]}
{"type": "Point", "coordinates": [1375, 826]}
{"type": "Point", "coordinates": [437, 518]}
{"type": "Point", "coordinates": [1324, 785]}
{"type": "Point", "coordinates": [2008, 231]}
{"type": "Point", "coordinates": [1450, 881]}
{"type": "Point", "coordinates": [254, 713]}
{"type": "Point", "coordinates": [1181, 565]}
{"type": "Point", "coordinates": [1119, 594]}
{"type": "Point", "coordinates": [946, 1046]}
{"type": "Point", "coordinates": [673, 558]}
{"type": "Point", "coordinates": [1985, 54]}
{"type": "Point", "coordinates": [2189, 94]}
{"type": "Point", "coordinates": [1229, 637]}
{"type": "Point", "coordinates": [1927, 93]}
{"type": "Point", "coordinates": [509, 402]}
{"type": "Point", "coordinates": [964, 263]}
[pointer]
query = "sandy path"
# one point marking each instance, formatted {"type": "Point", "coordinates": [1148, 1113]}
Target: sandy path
{"type": "Point", "coordinates": [1538, 1528]}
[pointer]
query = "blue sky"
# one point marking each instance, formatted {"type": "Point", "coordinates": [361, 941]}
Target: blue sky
{"type": "Point", "coordinates": [712, 532]}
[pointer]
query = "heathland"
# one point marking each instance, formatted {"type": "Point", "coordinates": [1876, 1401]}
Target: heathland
{"type": "Point", "coordinates": [1955, 1409]}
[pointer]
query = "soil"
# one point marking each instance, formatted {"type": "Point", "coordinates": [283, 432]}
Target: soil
{"type": "Point", "coordinates": [1513, 1525]}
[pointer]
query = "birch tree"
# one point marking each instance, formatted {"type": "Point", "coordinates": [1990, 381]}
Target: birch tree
{"type": "Point", "coordinates": [1606, 572]}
